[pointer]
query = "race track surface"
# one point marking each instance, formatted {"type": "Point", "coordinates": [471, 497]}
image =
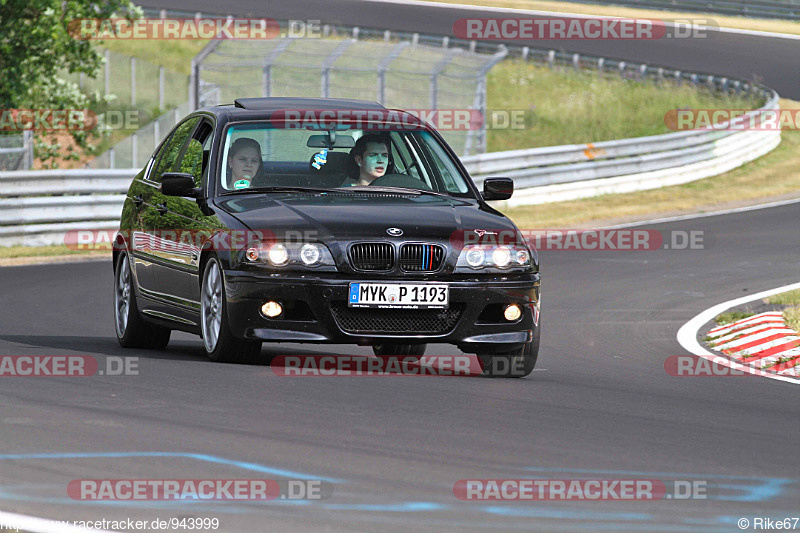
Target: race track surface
{"type": "Point", "coordinates": [775, 62]}
{"type": "Point", "coordinates": [599, 405]}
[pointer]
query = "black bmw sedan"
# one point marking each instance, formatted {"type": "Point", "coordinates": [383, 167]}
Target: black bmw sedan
{"type": "Point", "coordinates": [321, 221]}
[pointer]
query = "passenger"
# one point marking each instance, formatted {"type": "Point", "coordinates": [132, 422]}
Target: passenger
{"type": "Point", "coordinates": [371, 157]}
{"type": "Point", "coordinates": [244, 162]}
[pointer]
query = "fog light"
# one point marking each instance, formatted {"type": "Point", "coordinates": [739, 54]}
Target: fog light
{"type": "Point", "coordinates": [272, 309]}
{"type": "Point", "coordinates": [512, 312]}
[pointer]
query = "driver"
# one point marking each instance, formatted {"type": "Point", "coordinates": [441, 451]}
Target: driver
{"type": "Point", "coordinates": [371, 156]}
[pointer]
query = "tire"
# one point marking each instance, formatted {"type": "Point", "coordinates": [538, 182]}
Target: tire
{"type": "Point", "coordinates": [402, 350]}
{"type": "Point", "coordinates": [219, 343]}
{"type": "Point", "coordinates": [513, 363]}
{"type": "Point", "coordinates": [132, 330]}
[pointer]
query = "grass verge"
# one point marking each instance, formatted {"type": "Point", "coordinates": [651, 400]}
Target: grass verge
{"type": "Point", "coordinates": [565, 106]}
{"type": "Point", "coordinates": [11, 252]}
{"type": "Point", "coordinates": [726, 21]}
{"type": "Point", "coordinates": [731, 316]}
{"type": "Point", "coordinates": [785, 298]}
{"type": "Point", "coordinates": [770, 177]}
{"type": "Point", "coordinates": [792, 316]}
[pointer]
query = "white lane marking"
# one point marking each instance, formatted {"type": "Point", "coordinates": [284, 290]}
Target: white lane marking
{"type": "Point", "coordinates": [687, 335]}
{"type": "Point", "coordinates": [489, 9]}
{"type": "Point", "coordinates": [703, 215]}
{"type": "Point", "coordinates": [41, 525]}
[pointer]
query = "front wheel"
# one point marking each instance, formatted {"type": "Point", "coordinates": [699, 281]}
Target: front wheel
{"type": "Point", "coordinates": [219, 343]}
{"type": "Point", "coordinates": [132, 330]}
{"type": "Point", "coordinates": [516, 362]}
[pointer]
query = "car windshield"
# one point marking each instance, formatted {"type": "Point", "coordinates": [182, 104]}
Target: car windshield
{"type": "Point", "coordinates": [260, 157]}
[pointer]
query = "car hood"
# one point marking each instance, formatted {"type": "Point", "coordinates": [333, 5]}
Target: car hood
{"type": "Point", "coordinates": [363, 216]}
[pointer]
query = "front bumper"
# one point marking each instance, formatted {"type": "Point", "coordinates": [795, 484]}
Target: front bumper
{"type": "Point", "coordinates": [329, 320]}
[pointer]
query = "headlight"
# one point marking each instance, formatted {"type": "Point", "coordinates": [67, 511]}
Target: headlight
{"type": "Point", "coordinates": [493, 257]}
{"type": "Point", "coordinates": [301, 256]}
{"type": "Point", "coordinates": [310, 254]}
{"type": "Point", "coordinates": [277, 254]}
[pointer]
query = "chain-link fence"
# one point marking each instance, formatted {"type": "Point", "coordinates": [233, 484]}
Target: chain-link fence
{"type": "Point", "coordinates": [397, 73]}
{"type": "Point", "coordinates": [134, 151]}
{"type": "Point", "coordinates": [16, 151]}
{"type": "Point", "coordinates": [137, 84]}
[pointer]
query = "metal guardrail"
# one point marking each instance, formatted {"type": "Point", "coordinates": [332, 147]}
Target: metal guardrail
{"type": "Point", "coordinates": [779, 9]}
{"type": "Point", "coordinates": [39, 207]}
{"type": "Point", "coordinates": [562, 164]}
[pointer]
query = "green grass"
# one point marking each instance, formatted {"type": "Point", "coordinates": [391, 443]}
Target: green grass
{"type": "Point", "coordinates": [11, 252]}
{"type": "Point", "coordinates": [174, 54]}
{"type": "Point", "coordinates": [785, 298]}
{"type": "Point", "coordinates": [565, 106]}
{"type": "Point", "coordinates": [731, 316]}
{"type": "Point", "coordinates": [792, 316]}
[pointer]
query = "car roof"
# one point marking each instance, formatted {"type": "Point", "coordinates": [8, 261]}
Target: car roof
{"type": "Point", "coordinates": [255, 108]}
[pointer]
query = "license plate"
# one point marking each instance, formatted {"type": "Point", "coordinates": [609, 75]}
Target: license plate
{"type": "Point", "coordinates": [399, 295]}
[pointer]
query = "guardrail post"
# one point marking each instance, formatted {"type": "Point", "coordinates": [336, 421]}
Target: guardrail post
{"type": "Point", "coordinates": [551, 57]}
{"type": "Point", "coordinates": [576, 61]}
{"type": "Point", "coordinates": [601, 63]}
{"type": "Point", "coordinates": [472, 45]}
{"type": "Point", "coordinates": [445, 41]}
{"type": "Point", "coordinates": [415, 39]}
{"type": "Point", "coordinates": [386, 35]}
{"type": "Point", "coordinates": [678, 77]}
{"type": "Point", "coordinates": [355, 33]}
{"type": "Point", "coordinates": [525, 52]}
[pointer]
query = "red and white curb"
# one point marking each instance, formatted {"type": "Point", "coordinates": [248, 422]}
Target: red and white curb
{"type": "Point", "coordinates": [760, 348]}
{"type": "Point", "coordinates": [763, 341]}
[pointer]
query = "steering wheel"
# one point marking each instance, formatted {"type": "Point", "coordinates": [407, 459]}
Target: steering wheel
{"type": "Point", "coordinates": [400, 180]}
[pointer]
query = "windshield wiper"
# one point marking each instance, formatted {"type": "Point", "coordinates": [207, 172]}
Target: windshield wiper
{"type": "Point", "coordinates": [389, 189]}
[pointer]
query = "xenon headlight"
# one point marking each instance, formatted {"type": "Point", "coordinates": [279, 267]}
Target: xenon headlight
{"type": "Point", "coordinates": [493, 257]}
{"type": "Point", "coordinates": [286, 255]}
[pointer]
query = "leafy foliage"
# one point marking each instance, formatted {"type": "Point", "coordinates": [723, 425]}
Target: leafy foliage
{"type": "Point", "coordinates": [35, 44]}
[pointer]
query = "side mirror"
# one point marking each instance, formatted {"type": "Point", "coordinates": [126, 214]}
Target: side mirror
{"type": "Point", "coordinates": [497, 188]}
{"type": "Point", "coordinates": [178, 184]}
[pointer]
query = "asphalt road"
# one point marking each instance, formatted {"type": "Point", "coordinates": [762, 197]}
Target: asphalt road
{"type": "Point", "coordinates": [775, 62]}
{"type": "Point", "coordinates": [599, 405]}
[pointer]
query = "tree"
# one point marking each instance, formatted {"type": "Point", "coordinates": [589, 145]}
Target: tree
{"type": "Point", "coordinates": [35, 44]}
